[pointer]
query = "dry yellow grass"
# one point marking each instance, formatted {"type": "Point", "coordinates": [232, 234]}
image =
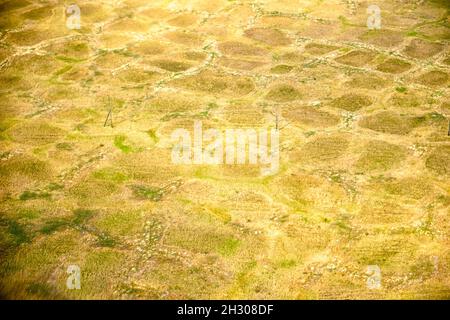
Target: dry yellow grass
{"type": "Point", "coordinates": [364, 174]}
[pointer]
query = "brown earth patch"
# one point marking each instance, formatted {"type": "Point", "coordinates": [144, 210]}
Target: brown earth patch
{"type": "Point", "coordinates": [421, 49]}
{"type": "Point", "coordinates": [240, 48]}
{"type": "Point", "coordinates": [357, 58]}
{"type": "Point", "coordinates": [394, 65]}
{"type": "Point", "coordinates": [319, 49]}
{"type": "Point", "coordinates": [311, 117]}
{"type": "Point", "coordinates": [186, 38]}
{"type": "Point", "coordinates": [389, 122]}
{"type": "Point", "coordinates": [364, 81]}
{"type": "Point", "coordinates": [183, 20]}
{"type": "Point", "coordinates": [433, 78]}
{"type": "Point", "coordinates": [216, 83]}
{"type": "Point", "coordinates": [240, 64]}
{"type": "Point", "coordinates": [283, 93]}
{"type": "Point", "coordinates": [352, 102]}
{"type": "Point", "coordinates": [148, 48]}
{"type": "Point", "coordinates": [382, 38]}
{"type": "Point", "coordinates": [439, 160]}
{"type": "Point", "coordinates": [272, 37]}
{"type": "Point", "coordinates": [380, 155]}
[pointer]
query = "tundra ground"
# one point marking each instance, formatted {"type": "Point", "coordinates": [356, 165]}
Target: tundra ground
{"type": "Point", "coordinates": [364, 175]}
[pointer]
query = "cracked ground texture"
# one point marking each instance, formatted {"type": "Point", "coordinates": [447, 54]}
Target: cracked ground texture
{"type": "Point", "coordinates": [364, 173]}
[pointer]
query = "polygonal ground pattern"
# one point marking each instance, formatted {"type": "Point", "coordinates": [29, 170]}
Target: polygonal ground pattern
{"type": "Point", "coordinates": [85, 149]}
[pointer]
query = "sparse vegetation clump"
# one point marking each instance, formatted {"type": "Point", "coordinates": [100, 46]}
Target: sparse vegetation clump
{"type": "Point", "coordinates": [433, 78]}
{"type": "Point", "coordinates": [352, 102]}
{"type": "Point", "coordinates": [422, 49]}
{"type": "Point", "coordinates": [325, 148]}
{"type": "Point", "coordinates": [209, 82]}
{"type": "Point", "coordinates": [28, 195]}
{"type": "Point", "coordinates": [311, 117]}
{"type": "Point", "coordinates": [272, 37]}
{"type": "Point", "coordinates": [145, 192]}
{"type": "Point", "coordinates": [438, 161]}
{"type": "Point", "coordinates": [281, 69]}
{"type": "Point", "coordinates": [283, 93]}
{"type": "Point", "coordinates": [173, 66]}
{"type": "Point", "coordinates": [379, 155]}
{"type": "Point", "coordinates": [394, 65]}
{"type": "Point", "coordinates": [239, 48]}
{"type": "Point", "coordinates": [319, 49]}
{"type": "Point", "coordinates": [389, 122]}
{"type": "Point", "coordinates": [357, 58]}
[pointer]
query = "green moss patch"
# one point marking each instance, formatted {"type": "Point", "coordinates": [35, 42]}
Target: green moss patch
{"type": "Point", "coordinates": [272, 37]}
{"type": "Point", "coordinates": [366, 81]}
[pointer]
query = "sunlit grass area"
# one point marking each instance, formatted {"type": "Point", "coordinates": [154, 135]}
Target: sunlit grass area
{"type": "Point", "coordinates": [86, 171]}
